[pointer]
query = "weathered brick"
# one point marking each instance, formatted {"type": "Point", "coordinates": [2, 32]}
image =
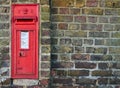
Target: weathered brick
{"type": "Point", "coordinates": [74, 26]}
{"type": "Point", "coordinates": [77, 42]}
{"type": "Point", "coordinates": [4, 42]}
{"type": "Point", "coordinates": [99, 41]}
{"type": "Point", "coordinates": [4, 56]}
{"type": "Point", "coordinates": [88, 41]}
{"type": "Point", "coordinates": [34, 1]}
{"type": "Point", "coordinates": [114, 50]}
{"type": "Point", "coordinates": [116, 58]}
{"type": "Point", "coordinates": [92, 3]}
{"type": "Point", "coordinates": [65, 57]}
{"type": "Point", "coordinates": [79, 49]}
{"type": "Point", "coordinates": [108, 27]}
{"type": "Point", "coordinates": [45, 73]}
{"type": "Point", "coordinates": [45, 41]}
{"type": "Point", "coordinates": [65, 49]}
{"type": "Point", "coordinates": [75, 34]}
{"type": "Point", "coordinates": [64, 11]}
{"type": "Point", "coordinates": [78, 73]}
{"type": "Point", "coordinates": [45, 65]}
{"type": "Point", "coordinates": [61, 73]}
{"type": "Point", "coordinates": [99, 34]}
{"type": "Point", "coordinates": [115, 20]}
{"type": "Point", "coordinates": [114, 81]}
{"type": "Point", "coordinates": [67, 81]}
{"type": "Point", "coordinates": [117, 27]}
{"type": "Point", "coordinates": [103, 65]}
{"type": "Point", "coordinates": [4, 25]}
{"type": "Point", "coordinates": [45, 17]}
{"type": "Point", "coordinates": [63, 26]}
{"type": "Point", "coordinates": [45, 9]}
{"type": "Point", "coordinates": [75, 11]}
{"type": "Point", "coordinates": [81, 19]}
{"type": "Point", "coordinates": [91, 27]}
{"type": "Point", "coordinates": [44, 2]}
{"type": "Point", "coordinates": [101, 57]}
{"type": "Point", "coordinates": [4, 9]}
{"type": "Point", "coordinates": [116, 73]}
{"type": "Point", "coordinates": [53, 26]}
{"type": "Point", "coordinates": [93, 11]}
{"type": "Point", "coordinates": [62, 18]}
{"type": "Point", "coordinates": [80, 57]}
{"type": "Point", "coordinates": [96, 50]}
{"type": "Point", "coordinates": [80, 3]}
{"type": "Point", "coordinates": [102, 81]}
{"type": "Point", "coordinates": [4, 33]}
{"type": "Point", "coordinates": [45, 58]}
{"type": "Point", "coordinates": [103, 19]}
{"type": "Point", "coordinates": [61, 3]}
{"type": "Point", "coordinates": [86, 65]}
{"type": "Point", "coordinates": [62, 64]}
{"type": "Point", "coordinates": [54, 57]}
{"type": "Point", "coordinates": [24, 0]}
{"type": "Point", "coordinates": [45, 49]}
{"type": "Point", "coordinates": [45, 25]}
{"type": "Point", "coordinates": [112, 42]}
{"type": "Point", "coordinates": [4, 50]}
{"type": "Point", "coordinates": [92, 19]}
{"type": "Point", "coordinates": [5, 2]}
{"type": "Point", "coordinates": [111, 12]}
{"type": "Point", "coordinates": [101, 73]}
{"type": "Point", "coordinates": [4, 17]}
{"type": "Point", "coordinates": [54, 41]}
{"type": "Point", "coordinates": [85, 81]}
{"type": "Point", "coordinates": [54, 10]}
{"type": "Point", "coordinates": [66, 41]}
{"type": "Point", "coordinates": [4, 63]}
{"type": "Point", "coordinates": [116, 35]}
{"type": "Point", "coordinates": [45, 33]}
{"type": "Point", "coordinates": [112, 4]}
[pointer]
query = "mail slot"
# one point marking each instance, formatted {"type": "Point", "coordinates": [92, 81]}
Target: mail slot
{"type": "Point", "coordinates": [24, 41]}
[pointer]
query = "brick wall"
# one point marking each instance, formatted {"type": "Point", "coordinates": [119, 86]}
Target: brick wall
{"type": "Point", "coordinates": [85, 43]}
{"type": "Point", "coordinates": [80, 44]}
{"type": "Point", "coordinates": [5, 46]}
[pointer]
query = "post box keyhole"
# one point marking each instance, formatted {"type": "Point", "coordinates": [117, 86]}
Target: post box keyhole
{"type": "Point", "coordinates": [21, 54]}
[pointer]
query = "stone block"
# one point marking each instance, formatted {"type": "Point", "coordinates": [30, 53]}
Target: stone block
{"type": "Point", "coordinates": [78, 73]}
{"type": "Point", "coordinates": [91, 27]}
{"type": "Point", "coordinates": [84, 81]}
{"type": "Point", "coordinates": [88, 41]}
{"type": "Point", "coordinates": [4, 2]}
{"type": "Point", "coordinates": [63, 26]}
{"type": "Point", "coordinates": [81, 19]}
{"type": "Point", "coordinates": [75, 34]}
{"type": "Point", "coordinates": [62, 3]}
{"type": "Point", "coordinates": [85, 65]}
{"type": "Point", "coordinates": [99, 34]}
{"type": "Point", "coordinates": [79, 49]}
{"type": "Point", "coordinates": [93, 11]}
{"type": "Point", "coordinates": [116, 35]}
{"type": "Point", "coordinates": [74, 26]}
{"type": "Point", "coordinates": [101, 57]}
{"type": "Point", "coordinates": [4, 25]}
{"type": "Point", "coordinates": [65, 41]}
{"type": "Point", "coordinates": [101, 73]}
{"type": "Point", "coordinates": [62, 64]}
{"type": "Point", "coordinates": [92, 3]}
{"type": "Point", "coordinates": [80, 57]}
{"type": "Point", "coordinates": [64, 11]}
{"type": "Point", "coordinates": [114, 50]}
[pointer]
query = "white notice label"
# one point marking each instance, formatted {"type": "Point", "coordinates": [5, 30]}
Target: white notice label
{"type": "Point", "coordinates": [24, 40]}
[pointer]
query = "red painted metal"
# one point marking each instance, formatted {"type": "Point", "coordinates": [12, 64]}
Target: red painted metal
{"type": "Point", "coordinates": [24, 41]}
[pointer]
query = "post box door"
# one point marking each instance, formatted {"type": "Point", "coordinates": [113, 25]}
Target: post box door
{"type": "Point", "coordinates": [25, 57]}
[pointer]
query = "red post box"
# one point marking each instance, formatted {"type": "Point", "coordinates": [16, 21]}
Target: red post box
{"type": "Point", "coordinates": [24, 42]}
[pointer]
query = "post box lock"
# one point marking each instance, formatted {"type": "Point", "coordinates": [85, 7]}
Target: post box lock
{"type": "Point", "coordinates": [24, 40]}
{"type": "Point", "coordinates": [21, 54]}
